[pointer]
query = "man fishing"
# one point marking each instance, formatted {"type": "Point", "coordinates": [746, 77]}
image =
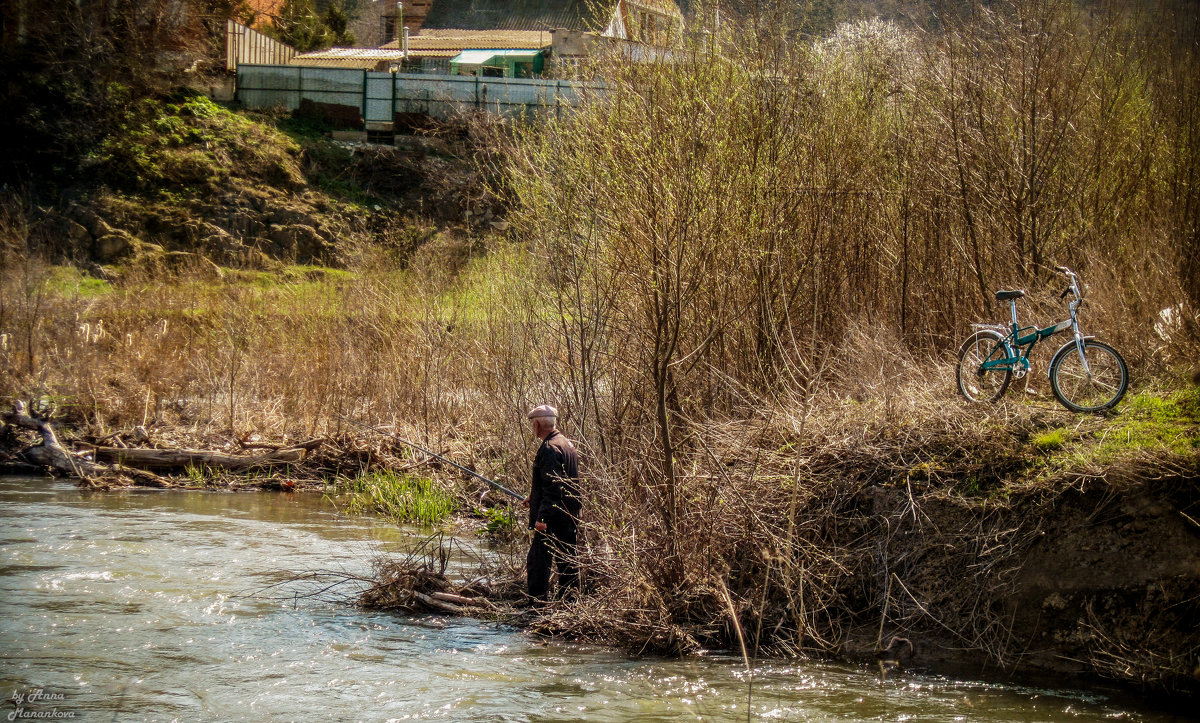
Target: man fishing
{"type": "Point", "coordinates": [554, 507]}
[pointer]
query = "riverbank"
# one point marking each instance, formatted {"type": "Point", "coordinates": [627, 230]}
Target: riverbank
{"type": "Point", "coordinates": [1014, 539]}
{"type": "Point", "coordinates": [136, 604]}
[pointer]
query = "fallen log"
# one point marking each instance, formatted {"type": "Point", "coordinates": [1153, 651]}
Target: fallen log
{"type": "Point", "coordinates": [437, 604]}
{"type": "Point", "coordinates": [50, 453]}
{"type": "Point", "coordinates": [457, 599]}
{"type": "Point", "coordinates": [308, 445]}
{"type": "Point", "coordinates": [180, 458]}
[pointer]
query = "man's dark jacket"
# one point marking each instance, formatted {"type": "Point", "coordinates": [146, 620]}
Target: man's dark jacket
{"type": "Point", "coordinates": [554, 495]}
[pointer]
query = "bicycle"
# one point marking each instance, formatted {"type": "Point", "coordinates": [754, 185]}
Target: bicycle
{"type": "Point", "coordinates": [1086, 375]}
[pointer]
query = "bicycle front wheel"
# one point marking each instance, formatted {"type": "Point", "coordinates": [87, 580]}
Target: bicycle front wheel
{"type": "Point", "coordinates": [975, 383]}
{"type": "Point", "coordinates": [1093, 387]}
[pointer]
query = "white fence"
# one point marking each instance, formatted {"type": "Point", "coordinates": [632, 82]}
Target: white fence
{"type": "Point", "coordinates": [246, 45]}
{"type": "Point", "coordinates": [380, 96]}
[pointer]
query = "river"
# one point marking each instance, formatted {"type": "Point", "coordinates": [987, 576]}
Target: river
{"type": "Point", "coordinates": [127, 606]}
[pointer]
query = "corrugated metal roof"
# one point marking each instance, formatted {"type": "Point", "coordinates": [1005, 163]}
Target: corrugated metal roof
{"type": "Point", "coordinates": [352, 54]}
{"type": "Point", "coordinates": [457, 39]}
{"type": "Point", "coordinates": [518, 14]}
{"type": "Point", "coordinates": [353, 63]}
{"type": "Point", "coordinates": [433, 53]}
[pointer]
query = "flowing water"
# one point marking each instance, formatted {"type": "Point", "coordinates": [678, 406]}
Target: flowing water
{"type": "Point", "coordinates": [125, 606]}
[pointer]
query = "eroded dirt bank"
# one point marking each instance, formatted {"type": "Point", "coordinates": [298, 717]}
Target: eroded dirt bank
{"type": "Point", "coordinates": [1100, 579]}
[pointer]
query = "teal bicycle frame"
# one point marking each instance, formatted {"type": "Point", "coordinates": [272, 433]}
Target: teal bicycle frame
{"type": "Point", "coordinates": [1018, 337]}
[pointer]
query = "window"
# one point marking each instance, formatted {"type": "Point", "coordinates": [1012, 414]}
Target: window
{"type": "Point", "coordinates": [387, 29]}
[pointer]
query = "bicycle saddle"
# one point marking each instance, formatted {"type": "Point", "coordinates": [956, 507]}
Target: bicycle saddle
{"type": "Point", "coordinates": [1006, 295]}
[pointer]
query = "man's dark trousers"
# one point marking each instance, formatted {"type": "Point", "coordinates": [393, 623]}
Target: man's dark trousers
{"type": "Point", "coordinates": [557, 545]}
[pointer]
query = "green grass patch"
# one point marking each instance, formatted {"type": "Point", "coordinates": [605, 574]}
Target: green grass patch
{"type": "Point", "coordinates": [500, 521]}
{"type": "Point", "coordinates": [1052, 440]}
{"type": "Point", "coordinates": [70, 282]}
{"type": "Point", "coordinates": [1152, 421]}
{"type": "Point", "coordinates": [201, 476]}
{"type": "Point", "coordinates": [401, 497]}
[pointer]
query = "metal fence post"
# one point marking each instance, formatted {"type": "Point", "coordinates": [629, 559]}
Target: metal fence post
{"type": "Point", "coordinates": [363, 103]}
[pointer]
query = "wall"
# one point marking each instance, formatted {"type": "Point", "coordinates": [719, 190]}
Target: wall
{"type": "Point", "coordinates": [382, 95]}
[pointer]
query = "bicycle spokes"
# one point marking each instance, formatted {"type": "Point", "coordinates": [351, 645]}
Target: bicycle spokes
{"type": "Point", "coordinates": [1092, 381]}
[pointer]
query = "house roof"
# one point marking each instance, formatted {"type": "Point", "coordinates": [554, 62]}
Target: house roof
{"type": "Point", "coordinates": [346, 57]}
{"type": "Point", "coordinates": [518, 15]}
{"type": "Point", "coordinates": [464, 39]}
{"type": "Point", "coordinates": [449, 43]}
{"type": "Point", "coordinates": [352, 53]}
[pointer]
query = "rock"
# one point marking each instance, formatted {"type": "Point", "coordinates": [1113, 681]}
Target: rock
{"type": "Point", "coordinates": [293, 217]}
{"type": "Point", "coordinates": [92, 223]}
{"type": "Point", "coordinates": [195, 231]}
{"type": "Point", "coordinates": [104, 273]}
{"type": "Point", "coordinates": [79, 235]}
{"type": "Point", "coordinates": [244, 223]}
{"type": "Point", "coordinates": [193, 265]}
{"type": "Point", "coordinates": [301, 240]}
{"type": "Point", "coordinates": [113, 246]}
{"type": "Point", "coordinates": [251, 255]}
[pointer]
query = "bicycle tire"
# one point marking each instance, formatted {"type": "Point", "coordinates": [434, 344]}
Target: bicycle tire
{"type": "Point", "coordinates": [974, 384]}
{"type": "Point", "coordinates": [1081, 392]}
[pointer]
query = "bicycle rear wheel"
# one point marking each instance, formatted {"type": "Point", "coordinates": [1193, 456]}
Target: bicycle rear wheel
{"type": "Point", "coordinates": [975, 383]}
{"type": "Point", "coordinates": [1081, 391]}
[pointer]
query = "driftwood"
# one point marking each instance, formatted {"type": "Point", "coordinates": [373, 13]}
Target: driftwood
{"type": "Point", "coordinates": [457, 599]}
{"type": "Point", "coordinates": [50, 453]}
{"type": "Point", "coordinates": [308, 445]}
{"type": "Point", "coordinates": [179, 458]}
{"type": "Point", "coordinates": [437, 604]}
{"type": "Point", "coordinates": [128, 463]}
{"type": "Point", "coordinates": [422, 586]}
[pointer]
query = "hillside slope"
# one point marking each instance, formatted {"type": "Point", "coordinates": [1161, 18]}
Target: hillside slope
{"type": "Point", "coordinates": [184, 178]}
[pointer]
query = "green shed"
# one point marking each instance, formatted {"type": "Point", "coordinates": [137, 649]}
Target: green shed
{"type": "Point", "coordinates": [498, 63]}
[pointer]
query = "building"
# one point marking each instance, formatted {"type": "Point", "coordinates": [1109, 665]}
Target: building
{"type": "Point", "coordinates": [375, 23]}
{"type": "Point", "coordinates": [432, 51]}
{"type": "Point", "coordinates": [524, 34]}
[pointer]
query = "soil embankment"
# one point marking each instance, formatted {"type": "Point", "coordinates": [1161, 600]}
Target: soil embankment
{"type": "Point", "coordinates": [190, 185]}
{"type": "Point", "coordinates": [1100, 578]}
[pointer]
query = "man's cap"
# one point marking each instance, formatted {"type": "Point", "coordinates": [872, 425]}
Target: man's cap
{"type": "Point", "coordinates": [542, 410]}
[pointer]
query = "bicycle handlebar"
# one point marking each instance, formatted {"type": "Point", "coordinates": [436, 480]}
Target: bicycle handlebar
{"type": "Point", "coordinates": [1064, 270]}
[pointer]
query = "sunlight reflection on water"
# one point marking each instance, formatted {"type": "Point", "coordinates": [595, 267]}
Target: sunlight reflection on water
{"type": "Point", "coordinates": [130, 602]}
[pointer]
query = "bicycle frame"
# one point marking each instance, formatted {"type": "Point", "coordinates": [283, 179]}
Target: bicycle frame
{"type": "Point", "coordinates": [1018, 337]}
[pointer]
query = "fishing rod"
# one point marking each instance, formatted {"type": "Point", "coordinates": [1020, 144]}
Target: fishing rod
{"type": "Point", "coordinates": [435, 455]}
